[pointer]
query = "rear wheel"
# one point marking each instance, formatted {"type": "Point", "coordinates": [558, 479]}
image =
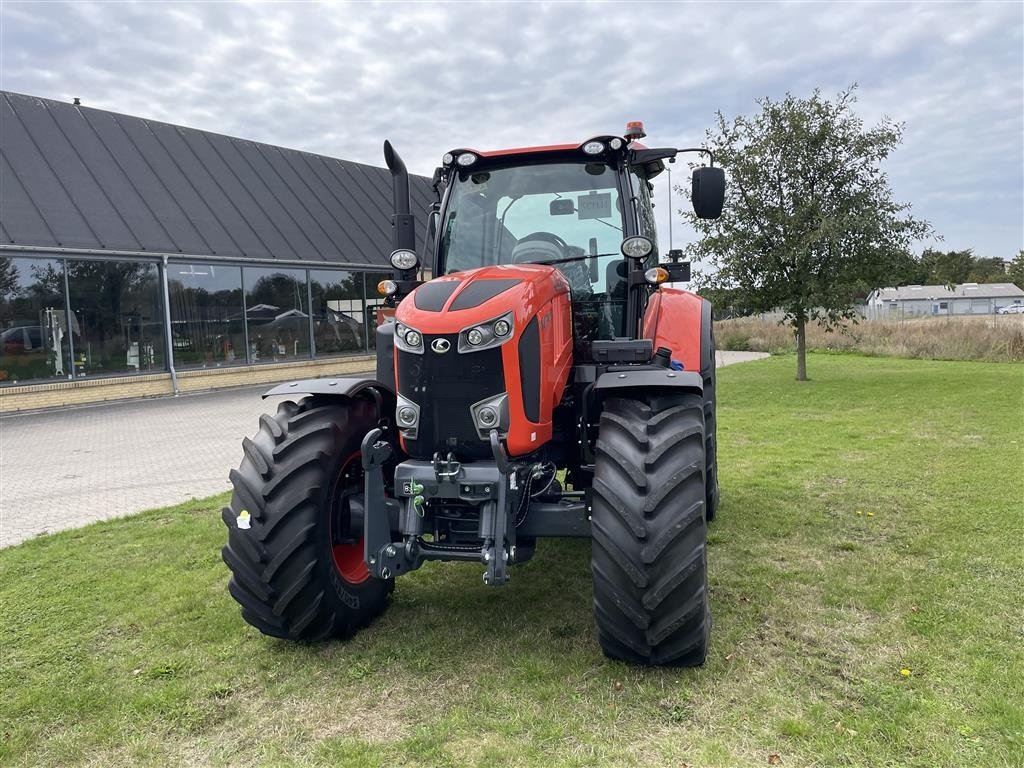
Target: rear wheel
{"type": "Point", "coordinates": [649, 531]}
{"type": "Point", "coordinates": [295, 546]}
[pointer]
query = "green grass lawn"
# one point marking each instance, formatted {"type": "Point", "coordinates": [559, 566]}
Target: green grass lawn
{"type": "Point", "coordinates": [867, 582]}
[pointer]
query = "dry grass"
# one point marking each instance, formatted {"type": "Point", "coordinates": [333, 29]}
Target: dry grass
{"type": "Point", "coordinates": [993, 338]}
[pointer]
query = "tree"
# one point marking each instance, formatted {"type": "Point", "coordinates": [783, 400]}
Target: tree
{"type": "Point", "coordinates": [1015, 270]}
{"type": "Point", "coordinates": [810, 222]}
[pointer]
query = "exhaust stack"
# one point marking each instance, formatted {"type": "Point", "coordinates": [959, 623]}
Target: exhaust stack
{"type": "Point", "coordinates": [403, 223]}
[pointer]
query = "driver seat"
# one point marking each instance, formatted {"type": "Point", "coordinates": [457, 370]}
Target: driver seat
{"type": "Point", "coordinates": [537, 251]}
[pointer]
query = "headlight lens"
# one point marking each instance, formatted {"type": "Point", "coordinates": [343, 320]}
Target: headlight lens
{"type": "Point", "coordinates": [487, 416]}
{"type": "Point", "coordinates": [387, 287]}
{"type": "Point", "coordinates": [502, 328]}
{"type": "Point", "coordinates": [475, 336]}
{"type": "Point", "coordinates": [403, 259]}
{"type": "Point", "coordinates": [408, 339]}
{"type": "Point", "coordinates": [466, 159]}
{"type": "Point", "coordinates": [593, 147]}
{"type": "Point", "coordinates": [406, 416]}
{"type": "Point", "coordinates": [637, 247]}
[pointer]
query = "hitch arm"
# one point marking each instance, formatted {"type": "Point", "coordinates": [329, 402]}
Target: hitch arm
{"type": "Point", "coordinates": [384, 559]}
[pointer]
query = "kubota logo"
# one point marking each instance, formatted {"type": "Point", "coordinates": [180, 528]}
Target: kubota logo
{"type": "Point", "coordinates": [440, 345]}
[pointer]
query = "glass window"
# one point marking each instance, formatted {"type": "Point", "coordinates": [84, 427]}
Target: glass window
{"type": "Point", "coordinates": [33, 323]}
{"type": "Point", "coordinates": [339, 321]}
{"type": "Point", "coordinates": [374, 304]}
{"type": "Point", "coordinates": [207, 326]}
{"type": "Point", "coordinates": [568, 214]}
{"type": "Point", "coordinates": [120, 317]}
{"type": "Point", "coordinates": [277, 315]}
{"type": "Point", "coordinates": [645, 211]}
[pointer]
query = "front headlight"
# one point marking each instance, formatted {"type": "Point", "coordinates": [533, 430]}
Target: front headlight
{"type": "Point", "coordinates": [407, 414]}
{"type": "Point", "coordinates": [408, 339]}
{"type": "Point", "coordinates": [487, 335]}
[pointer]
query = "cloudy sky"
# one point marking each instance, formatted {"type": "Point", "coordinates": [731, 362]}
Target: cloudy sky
{"type": "Point", "coordinates": [337, 79]}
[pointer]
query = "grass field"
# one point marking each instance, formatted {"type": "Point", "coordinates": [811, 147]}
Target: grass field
{"type": "Point", "coordinates": [867, 581]}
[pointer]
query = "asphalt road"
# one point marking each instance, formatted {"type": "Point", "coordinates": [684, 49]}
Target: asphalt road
{"type": "Point", "coordinates": [67, 467]}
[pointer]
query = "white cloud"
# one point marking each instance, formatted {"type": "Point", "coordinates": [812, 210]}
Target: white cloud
{"type": "Point", "coordinates": [339, 78]}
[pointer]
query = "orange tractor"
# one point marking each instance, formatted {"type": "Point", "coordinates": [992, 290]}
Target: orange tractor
{"type": "Point", "coordinates": [544, 383]}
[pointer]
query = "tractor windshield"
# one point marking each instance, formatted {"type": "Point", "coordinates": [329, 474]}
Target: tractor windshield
{"type": "Point", "coordinates": [568, 214]}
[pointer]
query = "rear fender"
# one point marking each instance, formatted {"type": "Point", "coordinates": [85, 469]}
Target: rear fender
{"type": "Point", "coordinates": [341, 388]}
{"type": "Point", "coordinates": [681, 321]}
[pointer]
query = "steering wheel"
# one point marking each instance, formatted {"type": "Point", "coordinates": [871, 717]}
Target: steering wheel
{"type": "Point", "coordinates": [544, 237]}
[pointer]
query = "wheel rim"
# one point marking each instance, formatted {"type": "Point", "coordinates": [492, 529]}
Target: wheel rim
{"type": "Point", "coordinates": [348, 556]}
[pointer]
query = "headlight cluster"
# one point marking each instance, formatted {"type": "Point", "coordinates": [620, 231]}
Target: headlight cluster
{"type": "Point", "coordinates": [408, 339]}
{"type": "Point", "coordinates": [407, 414]}
{"type": "Point", "coordinates": [596, 146]}
{"type": "Point", "coordinates": [487, 335]}
{"type": "Point", "coordinates": [489, 414]}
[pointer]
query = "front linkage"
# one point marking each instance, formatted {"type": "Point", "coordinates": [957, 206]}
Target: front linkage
{"type": "Point", "coordinates": [499, 490]}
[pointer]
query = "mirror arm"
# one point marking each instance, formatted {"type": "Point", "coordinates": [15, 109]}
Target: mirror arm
{"type": "Point", "coordinates": [701, 150]}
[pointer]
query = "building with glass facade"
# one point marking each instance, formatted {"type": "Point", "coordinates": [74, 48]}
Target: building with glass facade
{"type": "Point", "coordinates": [132, 248]}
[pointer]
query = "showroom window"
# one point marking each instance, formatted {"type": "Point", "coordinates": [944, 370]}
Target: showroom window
{"type": "Point", "coordinates": [34, 332]}
{"type": "Point", "coordinates": [120, 317]}
{"type": "Point", "coordinates": [276, 313]}
{"type": "Point", "coordinates": [374, 304]}
{"type": "Point", "coordinates": [339, 320]}
{"type": "Point", "coordinates": [207, 316]}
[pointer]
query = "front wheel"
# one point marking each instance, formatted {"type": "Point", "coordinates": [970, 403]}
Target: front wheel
{"type": "Point", "coordinates": [295, 547]}
{"type": "Point", "coordinates": [649, 531]}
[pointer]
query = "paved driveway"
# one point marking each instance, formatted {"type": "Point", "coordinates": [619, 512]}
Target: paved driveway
{"type": "Point", "coordinates": [67, 467]}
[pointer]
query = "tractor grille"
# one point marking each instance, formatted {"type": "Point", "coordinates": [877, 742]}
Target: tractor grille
{"type": "Point", "coordinates": [444, 386]}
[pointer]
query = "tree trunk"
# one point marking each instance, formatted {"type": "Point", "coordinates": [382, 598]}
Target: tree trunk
{"type": "Point", "coordinates": [801, 349]}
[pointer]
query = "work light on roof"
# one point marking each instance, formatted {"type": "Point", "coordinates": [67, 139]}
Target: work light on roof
{"type": "Point", "coordinates": [615, 143]}
{"type": "Point", "coordinates": [593, 147]}
{"type": "Point", "coordinates": [466, 159]}
{"type": "Point", "coordinates": [448, 158]}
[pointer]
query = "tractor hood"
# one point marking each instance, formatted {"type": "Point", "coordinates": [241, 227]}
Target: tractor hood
{"type": "Point", "coordinates": [454, 302]}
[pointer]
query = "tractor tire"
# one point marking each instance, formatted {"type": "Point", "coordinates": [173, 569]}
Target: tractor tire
{"type": "Point", "coordinates": [297, 570]}
{"type": "Point", "coordinates": [707, 372]}
{"type": "Point", "coordinates": [649, 531]}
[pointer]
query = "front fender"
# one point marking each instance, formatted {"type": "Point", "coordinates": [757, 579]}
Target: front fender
{"type": "Point", "coordinates": [343, 388]}
{"type": "Point", "coordinates": [688, 381]}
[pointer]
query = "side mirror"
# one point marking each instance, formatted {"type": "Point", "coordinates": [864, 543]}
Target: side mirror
{"type": "Point", "coordinates": [708, 192]}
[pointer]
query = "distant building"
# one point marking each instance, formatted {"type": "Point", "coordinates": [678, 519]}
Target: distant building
{"type": "Point", "coordinates": [960, 299]}
{"type": "Point", "coordinates": [141, 258]}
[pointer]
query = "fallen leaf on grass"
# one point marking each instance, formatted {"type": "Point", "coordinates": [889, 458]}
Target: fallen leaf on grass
{"type": "Point", "coordinates": [904, 672]}
{"type": "Point", "coordinates": [774, 759]}
{"type": "Point", "coordinates": [729, 656]}
{"type": "Point", "coordinates": [871, 514]}
{"type": "Point", "coordinates": [617, 685]}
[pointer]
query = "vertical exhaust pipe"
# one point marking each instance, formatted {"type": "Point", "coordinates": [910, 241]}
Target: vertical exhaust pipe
{"type": "Point", "coordinates": [403, 223]}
